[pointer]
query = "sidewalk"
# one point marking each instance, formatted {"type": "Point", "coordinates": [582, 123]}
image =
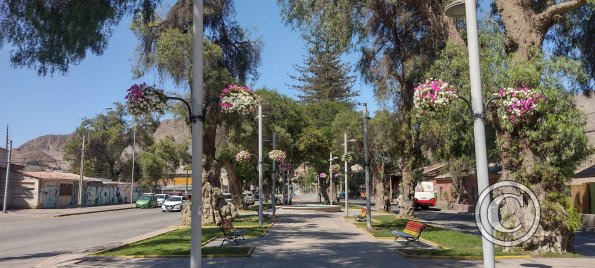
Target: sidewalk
{"type": "Point", "coordinates": [63, 212]}
{"type": "Point", "coordinates": [298, 239]}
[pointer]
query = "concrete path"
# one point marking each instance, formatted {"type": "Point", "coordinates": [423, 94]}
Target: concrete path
{"type": "Point", "coordinates": [298, 239]}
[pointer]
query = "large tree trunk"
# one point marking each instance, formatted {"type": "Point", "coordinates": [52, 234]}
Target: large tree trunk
{"type": "Point", "coordinates": [525, 28]}
{"type": "Point", "coordinates": [235, 185]}
{"type": "Point", "coordinates": [325, 189]}
{"type": "Point", "coordinates": [381, 188]}
{"type": "Point", "coordinates": [459, 191]}
{"type": "Point", "coordinates": [525, 31]}
{"type": "Point", "coordinates": [408, 207]}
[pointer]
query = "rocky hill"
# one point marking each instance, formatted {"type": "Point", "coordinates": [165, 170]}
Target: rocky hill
{"type": "Point", "coordinates": [175, 128]}
{"type": "Point", "coordinates": [46, 151]}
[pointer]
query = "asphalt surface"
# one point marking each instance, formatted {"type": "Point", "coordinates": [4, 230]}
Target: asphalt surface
{"type": "Point", "coordinates": [29, 238]}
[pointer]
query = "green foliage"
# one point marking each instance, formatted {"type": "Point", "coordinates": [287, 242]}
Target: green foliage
{"type": "Point", "coordinates": [320, 115]}
{"type": "Point", "coordinates": [174, 54]}
{"type": "Point", "coordinates": [558, 138]}
{"type": "Point", "coordinates": [350, 122]}
{"type": "Point", "coordinates": [324, 77]}
{"type": "Point", "coordinates": [52, 35]}
{"type": "Point", "coordinates": [573, 37]}
{"type": "Point", "coordinates": [107, 135]}
{"type": "Point", "coordinates": [165, 44]}
{"type": "Point", "coordinates": [160, 160]}
{"type": "Point", "coordinates": [314, 146]}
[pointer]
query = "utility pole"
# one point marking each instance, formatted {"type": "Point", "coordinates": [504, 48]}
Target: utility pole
{"type": "Point", "coordinates": [6, 136]}
{"type": "Point", "coordinates": [80, 203]}
{"type": "Point", "coordinates": [273, 197]}
{"type": "Point", "coordinates": [367, 168]}
{"type": "Point", "coordinates": [6, 179]}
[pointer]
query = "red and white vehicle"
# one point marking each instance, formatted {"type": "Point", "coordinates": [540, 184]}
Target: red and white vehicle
{"type": "Point", "coordinates": [424, 195]}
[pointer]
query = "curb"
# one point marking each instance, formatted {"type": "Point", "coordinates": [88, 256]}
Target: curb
{"type": "Point", "coordinates": [411, 256]}
{"type": "Point", "coordinates": [89, 212]}
{"type": "Point", "coordinates": [250, 250]}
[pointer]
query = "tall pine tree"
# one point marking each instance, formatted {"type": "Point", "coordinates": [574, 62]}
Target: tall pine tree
{"type": "Point", "coordinates": [324, 77]}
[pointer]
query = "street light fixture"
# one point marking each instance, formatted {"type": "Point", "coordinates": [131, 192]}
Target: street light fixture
{"type": "Point", "coordinates": [467, 8]}
{"type": "Point", "coordinates": [345, 141]}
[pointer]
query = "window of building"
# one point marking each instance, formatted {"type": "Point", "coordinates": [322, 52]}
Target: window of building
{"type": "Point", "coordinates": [65, 189]}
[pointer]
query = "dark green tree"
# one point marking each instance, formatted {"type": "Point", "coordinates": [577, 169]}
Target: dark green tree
{"type": "Point", "coordinates": [323, 77]}
{"type": "Point", "coordinates": [161, 160]}
{"type": "Point", "coordinates": [107, 136]}
{"type": "Point", "coordinates": [398, 40]}
{"type": "Point", "coordinates": [49, 36]}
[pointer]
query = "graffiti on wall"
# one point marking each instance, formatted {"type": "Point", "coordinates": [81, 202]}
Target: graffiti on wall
{"type": "Point", "coordinates": [97, 194]}
{"type": "Point", "coordinates": [49, 195]}
{"type": "Point", "coordinates": [94, 194]}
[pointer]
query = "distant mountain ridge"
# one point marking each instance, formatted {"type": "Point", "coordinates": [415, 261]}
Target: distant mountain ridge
{"type": "Point", "coordinates": [45, 151]}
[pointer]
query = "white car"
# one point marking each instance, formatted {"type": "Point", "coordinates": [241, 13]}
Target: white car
{"type": "Point", "coordinates": [161, 198]}
{"type": "Point", "coordinates": [173, 203]}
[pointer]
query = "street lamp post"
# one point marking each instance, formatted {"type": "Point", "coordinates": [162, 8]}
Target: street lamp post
{"type": "Point", "coordinates": [346, 172]}
{"type": "Point", "coordinates": [260, 193]}
{"type": "Point", "coordinates": [273, 174]}
{"type": "Point", "coordinates": [197, 132]}
{"type": "Point", "coordinates": [367, 169]}
{"type": "Point", "coordinates": [467, 8]}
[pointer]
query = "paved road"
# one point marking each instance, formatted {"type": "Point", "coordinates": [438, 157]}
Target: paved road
{"type": "Point", "coordinates": [28, 239]}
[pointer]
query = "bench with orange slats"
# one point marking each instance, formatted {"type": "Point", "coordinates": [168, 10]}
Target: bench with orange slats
{"type": "Point", "coordinates": [411, 232]}
{"type": "Point", "coordinates": [362, 215]}
{"type": "Point", "coordinates": [230, 233]}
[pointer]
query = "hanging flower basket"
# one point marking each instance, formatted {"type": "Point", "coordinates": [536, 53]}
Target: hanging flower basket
{"type": "Point", "coordinates": [335, 168]}
{"type": "Point", "coordinates": [322, 175]}
{"type": "Point", "coordinates": [277, 155]}
{"type": "Point", "coordinates": [433, 95]}
{"type": "Point", "coordinates": [238, 99]}
{"type": "Point", "coordinates": [285, 167]}
{"type": "Point", "coordinates": [142, 99]}
{"type": "Point", "coordinates": [518, 103]}
{"type": "Point", "coordinates": [357, 168]}
{"type": "Point", "coordinates": [243, 156]}
{"type": "Point", "coordinates": [347, 157]}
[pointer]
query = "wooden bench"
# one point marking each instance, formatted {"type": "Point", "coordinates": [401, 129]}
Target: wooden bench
{"type": "Point", "coordinates": [411, 232]}
{"type": "Point", "coordinates": [229, 232]}
{"type": "Point", "coordinates": [362, 215]}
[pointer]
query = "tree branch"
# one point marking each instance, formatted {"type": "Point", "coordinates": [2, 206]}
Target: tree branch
{"type": "Point", "coordinates": [546, 18]}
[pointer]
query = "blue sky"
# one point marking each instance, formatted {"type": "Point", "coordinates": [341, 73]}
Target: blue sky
{"type": "Point", "coordinates": [35, 106]}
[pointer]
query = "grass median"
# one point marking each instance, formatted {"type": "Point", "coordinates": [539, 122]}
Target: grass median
{"type": "Point", "coordinates": [452, 243]}
{"type": "Point", "coordinates": [177, 242]}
